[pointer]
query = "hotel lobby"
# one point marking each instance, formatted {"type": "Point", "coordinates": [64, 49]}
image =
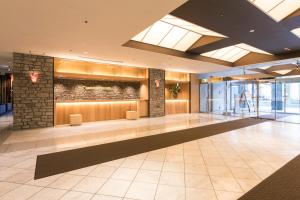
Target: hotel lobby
{"type": "Point", "coordinates": [150, 100]}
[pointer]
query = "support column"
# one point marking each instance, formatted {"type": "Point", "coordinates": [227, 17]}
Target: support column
{"type": "Point", "coordinates": [33, 101]}
{"type": "Point", "coordinates": [156, 92]}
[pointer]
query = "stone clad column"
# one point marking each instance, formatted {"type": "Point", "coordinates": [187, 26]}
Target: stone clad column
{"type": "Point", "coordinates": [33, 102]}
{"type": "Point", "coordinates": [156, 92]}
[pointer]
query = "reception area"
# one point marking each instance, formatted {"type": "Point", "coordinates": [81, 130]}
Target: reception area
{"type": "Point", "coordinates": [150, 100]}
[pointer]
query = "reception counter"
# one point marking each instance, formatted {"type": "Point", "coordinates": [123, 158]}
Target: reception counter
{"type": "Point", "coordinates": [97, 110]}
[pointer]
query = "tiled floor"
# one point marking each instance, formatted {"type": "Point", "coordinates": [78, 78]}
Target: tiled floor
{"type": "Point", "coordinates": [221, 167]}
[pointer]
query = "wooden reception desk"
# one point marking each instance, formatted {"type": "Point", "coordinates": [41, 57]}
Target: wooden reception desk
{"type": "Point", "coordinates": [97, 110]}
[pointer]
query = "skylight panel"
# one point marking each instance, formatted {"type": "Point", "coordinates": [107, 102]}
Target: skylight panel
{"type": "Point", "coordinates": [251, 48]}
{"type": "Point", "coordinates": [277, 9]}
{"type": "Point", "coordinates": [187, 41]}
{"type": "Point", "coordinates": [173, 37]}
{"type": "Point", "coordinates": [296, 31]}
{"type": "Point", "coordinates": [284, 9]}
{"type": "Point", "coordinates": [267, 5]}
{"type": "Point", "coordinates": [139, 37]}
{"type": "Point", "coordinates": [157, 32]}
{"type": "Point", "coordinates": [239, 55]}
{"type": "Point", "coordinates": [230, 54]}
{"type": "Point", "coordinates": [190, 26]}
{"type": "Point", "coordinates": [233, 51]}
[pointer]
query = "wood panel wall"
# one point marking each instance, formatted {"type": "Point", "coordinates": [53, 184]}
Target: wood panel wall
{"type": "Point", "coordinates": [195, 94]}
{"type": "Point", "coordinates": [94, 111]}
{"type": "Point", "coordinates": [177, 106]}
{"type": "Point", "coordinates": [89, 70]}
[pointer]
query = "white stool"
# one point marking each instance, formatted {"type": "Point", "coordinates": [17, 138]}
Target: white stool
{"type": "Point", "coordinates": [75, 119]}
{"type": "Point", "coordinates": [132, 115]}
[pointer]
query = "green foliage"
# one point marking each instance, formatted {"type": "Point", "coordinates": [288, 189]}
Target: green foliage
{"type": "Point", "coordinates": [175, 90]}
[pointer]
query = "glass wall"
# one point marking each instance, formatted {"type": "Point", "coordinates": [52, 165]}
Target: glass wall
{"type": "Point", "coordinates": [276, 99]}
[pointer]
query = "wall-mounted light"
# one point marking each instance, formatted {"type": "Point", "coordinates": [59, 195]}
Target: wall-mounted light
{"type": "Point", "coordinates": [156, 83]}
{"type": "Point", "coordinates": [34, 77]}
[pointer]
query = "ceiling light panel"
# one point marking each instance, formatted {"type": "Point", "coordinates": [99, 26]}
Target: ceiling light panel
{"type": "Point", "coordinates": [173, 37]}
{"type": "Point", "coordinates": [251, 48]}
{"type": "Point", "coordinates": [277, 9]}
{"type": "Point", "coordinates": [189, 26]}
{"type": "Point", "coordinates": [296, 31]}
{"type": "Point", "coordinates": [187, 41]}
{"type": "Point", "coordinates": [230, 54]}
{"type": "Point", "coordinates": [174, 33]}
{"type": "Point", "coordinates": [157, 32]}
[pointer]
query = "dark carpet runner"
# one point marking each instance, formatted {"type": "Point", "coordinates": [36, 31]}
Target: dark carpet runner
{"type": "Point", "coordinates": [284, 184]}
{"type": "Point", "coordinates": [64, 161]}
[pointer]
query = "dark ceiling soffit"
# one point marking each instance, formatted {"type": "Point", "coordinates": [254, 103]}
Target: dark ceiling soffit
{"type": "Point", "coordinates": [254, 58]}
{"type": "Point", "coordinates": [235, 18]}
{"type": "Point", "coordinates": [218, 44]}
{"type": "Point", "coordinates": [292, 21]}
{"type": "Point", "coordinates": [172, 52]}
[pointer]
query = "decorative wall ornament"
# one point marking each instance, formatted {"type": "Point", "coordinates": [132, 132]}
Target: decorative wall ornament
{"type": "Point", "coordinates": [156, 83]}
{"type": "Point", "coordinates": [34, 77]}
{"type": "Point", "coordinates": [175, 90]}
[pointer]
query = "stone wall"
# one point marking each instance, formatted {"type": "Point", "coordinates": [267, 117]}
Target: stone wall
{"type": "Point", "coordinates": [68, 89]}
{"type": "Point", "coordinates": [156, 94]}
{"type": "Point", "coordinates": [33, 102]}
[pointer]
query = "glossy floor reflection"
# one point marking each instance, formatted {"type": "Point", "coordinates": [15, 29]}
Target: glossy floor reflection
{"type": "Point", "coordinates": [221, 167]}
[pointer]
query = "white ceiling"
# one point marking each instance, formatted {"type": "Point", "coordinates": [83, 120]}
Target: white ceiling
{"type": "Point", "coordinates": [55, 27]}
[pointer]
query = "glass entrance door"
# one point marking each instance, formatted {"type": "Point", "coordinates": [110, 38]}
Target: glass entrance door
{"type": "Point", "coordinates": [290, 111]}
{"type": "Point", "coordinates": [204, 96]}
{"type": "Point", "coordinates": [267, 99]}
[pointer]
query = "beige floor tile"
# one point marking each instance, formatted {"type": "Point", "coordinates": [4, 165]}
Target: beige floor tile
{"type": "Point", "coordinates": [21, 177]}
{"type": "Point", "coordinates": [8, 172]}
{"type": "Point", "coordinates": [103, 171]}
{"type": "Point", "coordinates": [125, 174]}
{"type": "Point", "coordinates": [248, 184]}
{"type": "Point", "coordinates": [21, 193]}
{"type": "Point", "coordinates": [89, 184]}
{"type": "Point", "coordinates": [43, 182]}
{"type": "Point", "coordinates": [224, 195]}
{"type": "Point", "coordinates": [200, 194]}
{"type": "Point", "coordinates": [156, 157]}
{"type": "Point", "coordinates": [172, 178]}
{"type": "Point", "coordinates": [147, 176]}
{"type": "Point", "coordinates": [73, 195]}
{"type": "Point", "coordinates": [174, 158]}
{"type": "Point", "coordinates": [115, 187]}
{"type": "Point", "coordinates": [48, 194]}
{"type": "Point", "coordinates": [26, 164]}
{"type": "Point", "coordinates": [152, 165]}
{"type": "Point", "coordinates": [219, 171]}
{"type": "Point", "coordinates": [173, 167]}
{"type": "Point", "coordinates": [244, 173]}
{"type": "Point", "coordinates": [83, 171]}
{"type": "Point", "coordinates": [195, 169]}
{"type": "Point", "coordinates": [114, 163]}
{"type": "Point", "coordinates": [131, 163]}
{"type": "Point", "coordinates": [103, 197]}
{"type": "Point", "coordinates": [167, 192]}
{"type": "Point", "coordinates": [225, 184]}
{"type": "Point", "coordinates": [67, 181]}
{"type": "Point", "coordinates": [142, 191]}
{"type": "Point", "coordinates": [193, 159]}
{"type": "Point", "coordinates": [198, 181]}
{"type": "Point", "coordinates": [7, 187]}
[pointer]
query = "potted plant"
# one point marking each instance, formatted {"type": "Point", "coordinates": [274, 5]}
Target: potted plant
{"type": "Point", "coordinates": [175, 90]}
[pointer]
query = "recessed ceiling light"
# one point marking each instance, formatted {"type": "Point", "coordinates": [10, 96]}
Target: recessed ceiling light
{"type": "Point", "coordinates": [251, 30]}
{"type": "Point", "coordinates": [287, 49]}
